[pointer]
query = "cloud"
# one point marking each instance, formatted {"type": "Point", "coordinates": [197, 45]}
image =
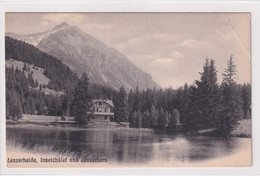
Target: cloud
{"type": "Point", "coordinates": [133, 45]}
{"type": "Point", "coordinates": [188, 43]}
{"type": "Point", "coordinates": [177, 54]}
{"type": "Point", "coordinates": [71, 18]}
{"type": "Point", "coordinates": [165, 37]}
{"type": "Point", "coordinates": [192, 43]}
{"type": "Point", "coordinates": [157, 43]}
{"type": "Point", "coordinates": [166, 62]}
{"type": "Point", "coordinates": [223, 35]}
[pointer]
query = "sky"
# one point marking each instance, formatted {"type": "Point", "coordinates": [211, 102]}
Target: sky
{"type": "Point", "coordinates": [172, 47]}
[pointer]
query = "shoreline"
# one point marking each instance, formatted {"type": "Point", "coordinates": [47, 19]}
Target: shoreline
{"type": "Point", "coordinates": [81, 128]}
{"type": "Point", "coordinates": [112, 126]}
{"type": "Point", "coordinates": [243, 129]}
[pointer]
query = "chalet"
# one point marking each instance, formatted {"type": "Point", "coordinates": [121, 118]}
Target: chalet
{"type": "Point", "coordinates": [101, 110]}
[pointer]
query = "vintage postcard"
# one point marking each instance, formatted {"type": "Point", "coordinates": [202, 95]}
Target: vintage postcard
{"type": "Point", "coordinates": [91, 90]}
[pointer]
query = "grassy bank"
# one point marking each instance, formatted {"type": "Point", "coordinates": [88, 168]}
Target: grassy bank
{"type": "Point", "coordinates": [243, 129]}
{"type": "Point", "coordinates": [43, 119]}
{"type": "Point", "coordinates": [39, 121]}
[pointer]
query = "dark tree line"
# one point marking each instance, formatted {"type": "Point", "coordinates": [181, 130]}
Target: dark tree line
{"type": "Point", "coordinates": [120, 106]}
{"type": "Point", "coordinates": [22, 98]}
{"type": "Point", "coordinates": [203, 105]}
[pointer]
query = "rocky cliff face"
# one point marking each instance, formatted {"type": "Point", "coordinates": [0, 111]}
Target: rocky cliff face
{"type": "Point", "coordinates": [83, 53]}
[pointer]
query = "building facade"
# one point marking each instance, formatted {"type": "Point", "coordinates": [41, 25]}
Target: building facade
{"type": "Point", "coordinates": [101, 110]}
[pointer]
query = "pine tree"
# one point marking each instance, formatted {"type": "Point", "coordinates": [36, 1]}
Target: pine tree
{"type": "Point", "coordinates": [139, 119]}
{"type": "Point", "coordinates": [167, 117]}
{"type": "Point", "coordinates": [161, 100]}
{"type": "Point", "coordinates": [40, 87]}
{"type": "Point", "coordinates": [173, 119]}
{"type": "Point", "coordinates": [137, 100]}
{"type": "Point", "coordinates": [146, 119]}
{"type": "Point", "coordinates": [13, 106]}
{"type": "Point", "coordinates": [154, 117]}
{"type": "Point", "coordinates": [185, 101]}
{"type": "Point", "coordinates": [133, 120]}
{"type": "Point", "coordinates": [214, 97]}
{"type": "Point", "coordinates": [39, 105]}
{"type": "Point", "coordinates": [80, 104]}
{"type": "Point", "coordinates": [130, 102]}
{"type": "Point", "coordinates": [121, 109]}
{"type": "Point", "coordinates": [24, 67]}
{"type": "Point", "coordinates": [36, 84]}
{"type": "Point", "coordinates": [246, 100]}
{"type": "Point", "coordinates": [162, 119]}
{"type": "Point", "coordinates": [54, 107]}
{"type": "Point", "coordinates": [30, 80]}
{"type": "Point", "coordinates": [64, 108]}
{"type": "Point", "coordinates": [231, 100]}
{"type": "Point", "coordinates": [204, 110]}
{"type": "Point", "coordinates": [230, 72]}
{"type": "Point", "coordinates": [149, 100]}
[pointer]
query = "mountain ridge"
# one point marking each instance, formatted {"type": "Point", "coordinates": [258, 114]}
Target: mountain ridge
{"type": "Point", "coordinates": [84, 53]}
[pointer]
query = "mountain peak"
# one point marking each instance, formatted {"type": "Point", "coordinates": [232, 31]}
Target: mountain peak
{"type": "Point", "coordinates": [62, 25]}
{"type": "Point", "coordinates": [84, 53]}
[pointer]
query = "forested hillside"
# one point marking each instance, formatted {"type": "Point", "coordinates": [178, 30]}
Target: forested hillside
{"type": "Point", "coordinates": [24, 93]}
{"type": "Point", "coordinates": [61, 77]}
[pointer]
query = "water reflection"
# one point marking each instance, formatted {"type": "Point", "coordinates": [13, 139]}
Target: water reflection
{"type": "Point", "coordinates": [124, 147]}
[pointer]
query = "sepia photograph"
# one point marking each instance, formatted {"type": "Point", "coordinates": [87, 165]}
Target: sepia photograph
{"type": "Point", "coordinates": [99, 90]}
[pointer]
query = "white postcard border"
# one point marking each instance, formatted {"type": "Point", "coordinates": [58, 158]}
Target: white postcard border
{"type": "Point", "coordinates": [142, 6]}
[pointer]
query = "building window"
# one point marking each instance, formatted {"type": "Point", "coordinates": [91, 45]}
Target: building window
{"type": "Point", "coordinates": [100, 103]}
{"type": "Point", "coordinates": [105, 117]}
{"type": "Point", "coordinates": [105, 109]}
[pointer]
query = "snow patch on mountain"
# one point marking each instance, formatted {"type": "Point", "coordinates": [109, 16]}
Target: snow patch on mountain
{"type": "Point", "coordinates": [35, 39]}
{"type": "Point", "coordinates": [83, 53]}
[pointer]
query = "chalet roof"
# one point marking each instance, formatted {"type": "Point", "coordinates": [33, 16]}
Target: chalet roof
{"type": "Point", "coordinates": [107, 101]}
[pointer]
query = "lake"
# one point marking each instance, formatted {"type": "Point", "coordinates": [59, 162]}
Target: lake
{"type": "Point", "coordinates": [125, 146]}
